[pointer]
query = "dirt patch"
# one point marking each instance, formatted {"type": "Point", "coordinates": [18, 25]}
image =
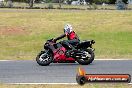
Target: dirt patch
{"type": "Point", "coordinates": [12, 31]}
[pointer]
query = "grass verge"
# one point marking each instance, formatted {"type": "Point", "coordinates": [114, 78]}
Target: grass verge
{"type": "Point", "coordinates": [23, 32]}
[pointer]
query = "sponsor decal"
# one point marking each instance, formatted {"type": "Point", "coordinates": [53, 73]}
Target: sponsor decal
{"type": "Point", "coordinates": [83, 78]}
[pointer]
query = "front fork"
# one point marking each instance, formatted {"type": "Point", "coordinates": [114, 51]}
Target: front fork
{"type": "Point", "coordinates": [45, 51]}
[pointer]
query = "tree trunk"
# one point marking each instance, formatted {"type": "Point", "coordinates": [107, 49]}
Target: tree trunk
{"type": "Point", "coordinates": [59, 3]}
{"type": "Point", "coordinates": [31, 2]}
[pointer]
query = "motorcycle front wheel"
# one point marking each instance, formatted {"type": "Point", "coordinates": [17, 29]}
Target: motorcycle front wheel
{"type": "Point", "coordinates": [44, 58]}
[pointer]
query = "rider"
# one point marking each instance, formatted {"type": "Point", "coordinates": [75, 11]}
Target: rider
{"type": "Point", "coordinates": [71, 35]}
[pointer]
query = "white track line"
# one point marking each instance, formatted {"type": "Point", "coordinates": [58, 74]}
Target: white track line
{"type": "Point", "coordinates": [113, 59]}
{"type": "Point", "coordinates": [46, 83]}
{"type": "Point", "coordinates": [7, 60]}
{"type": "Point", "coordinates": [49, 83]}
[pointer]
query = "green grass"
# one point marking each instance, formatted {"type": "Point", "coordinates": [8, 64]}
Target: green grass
{"type": "Point", "coordinates": [112, 31]}
{"type": "Point", "coordinates": [94, 85]}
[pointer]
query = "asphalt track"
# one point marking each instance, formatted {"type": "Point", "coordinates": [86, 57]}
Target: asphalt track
{"type": "Point", "coordinates": [28, 71]}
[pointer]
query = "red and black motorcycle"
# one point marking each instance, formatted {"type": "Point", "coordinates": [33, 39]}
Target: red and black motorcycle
{"type": "Point", "coordinates": [84, 53]}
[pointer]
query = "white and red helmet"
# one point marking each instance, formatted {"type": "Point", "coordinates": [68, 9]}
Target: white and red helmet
{"type": "Point", "coordinates": [67, 29]}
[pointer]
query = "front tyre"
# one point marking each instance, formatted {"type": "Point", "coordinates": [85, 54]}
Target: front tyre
{"type": "Point", "coordinates": [87, 58]}
{"type": "Point", "coordinates": [44, 58]}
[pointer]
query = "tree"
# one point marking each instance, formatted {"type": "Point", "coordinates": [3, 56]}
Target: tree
{"type": "Point", "coordinates": [101, 1]}
{"type": "Point", "coordinates": [60, 1]}
{"type": "Point", "coordinates": [9, 3]}
{"type": "Point", "coordinates": [31, 2]}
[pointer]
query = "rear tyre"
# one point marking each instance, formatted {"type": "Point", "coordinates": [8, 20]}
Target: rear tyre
{"type": "Point", "coordinates": [87, 59]}
{"type": "Point", "coordinates": [44, 58]}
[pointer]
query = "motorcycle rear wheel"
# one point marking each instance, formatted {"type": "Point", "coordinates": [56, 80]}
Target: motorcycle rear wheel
{"type": "Point", "coordinates": [87, 60]}
{"type": "Point", "coordinates": [44, 58]}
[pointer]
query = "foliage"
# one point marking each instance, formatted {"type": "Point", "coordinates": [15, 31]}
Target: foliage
{"type": "Point", "coordinates": [121, 5]}
{"type": "Point", "coordinates": [50, 6]}
{"type": "Point", "coordinates": [69, 1]}
{"type": "Point", "coordinates": [19, 0]}
{"type": "Point", "coordinates": [94, 6]}
{"type": "Point", "coordinates": [101, 1]}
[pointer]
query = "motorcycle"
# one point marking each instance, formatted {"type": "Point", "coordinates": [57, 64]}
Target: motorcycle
{"type": "Point", "coordinates": [84, 53]}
